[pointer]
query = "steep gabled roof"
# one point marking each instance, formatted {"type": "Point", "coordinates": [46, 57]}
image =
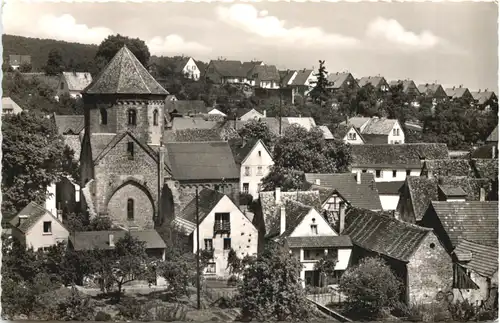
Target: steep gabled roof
{"type": "Point", "coordinates": [379, 126]}
{"type": "Point", "coordinates": [406, 84]}
{"type": "Point", "coordinates": [77, 81]}
{"type": "Point", "coordinates": [294, 213]}
{"type": "Point", "coordinates": [357, 122]}
{"type": "Point", "coordinates": [338, 79]}
{"type": "Point", "coordinates": [476, 221]}
{"type": "Point", "coordinates": [9, 104]}
{"type": "Point", "coordinates": [422, 191]}
{"type": "Point", "coordinates": [402, 155]}
{"type": "Point", "coordinates": [384, 235]}
{"type": "Point", "coordinates": [389, 188]}
{"type": "Point", "coordinates": [201, 161]}
{"type": "Point", "coordinates": [373, 80]}
{"type": "Point", "coordinates": [69, 124]}
{"type": "Point", "coordinates": [192, 135]}
{"type": "Point", "coordinates": [493, 137]}
{"type": "Point", "coordinates": [241, 149]}
{"type": "Point", "coordinates": [230, 68]}
{"type": "Point", "coordinates": [286, 76]}
{"type": "Point", "coordinates": [32, 213]}
{"type": "Point", "coordinates": [429, 89]}
{"type": "Point", "coordinates": [483, 97]}
{"type": "Point", "coordinates": [265, 73]}
{"type": "Point", "coordinates": [302, 77]}
{"type": "Point", "coordinates": [124, 74]}
{"type": "Point", "coordinates": [119, 137]}
{"type": "Point", "coordinates": [486, 168]}
{"type": "Point", "coordinates": [477, 257]}
{"type": "Point", "coordinates": [207, 200]}
{"type": "Point", "coordinates": [448, 167]}
{"type": "Point", "coordinates": [319, 242]}
{"type": "Point", "coordinates": [456, 92]}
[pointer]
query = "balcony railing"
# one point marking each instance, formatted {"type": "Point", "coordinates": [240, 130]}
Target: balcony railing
{"type": "Point", "coordinates": [223, 226]}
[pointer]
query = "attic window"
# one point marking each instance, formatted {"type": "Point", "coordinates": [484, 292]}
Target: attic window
{"type": "Point", "coordinates": [104, 116]}
{"type": "Point", "coordinates": [314, 228]}
{"type": "Point", "coordinates": [132, 117]}
{"type": "Point", "coordinates": [47, 227]}
{"type": "Point", "coordinates": [130, 150]}
{"type": "Point", "coordinates": [155, 117]}
{"type": "Point", "coordinates": [260, 153]}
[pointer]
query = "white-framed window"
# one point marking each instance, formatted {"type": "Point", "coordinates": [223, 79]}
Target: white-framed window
{"type": "Point", "coordinates": [47, 227]}
{"type": "Point", "coordinates": [245, 187]}
{"type": "Point", "coordinates": [314, 228]}
{"type": "Point", "coordinates": [259, 170]}
{"type": "Point", "coordinates": [394, 173]}
{"type": "Point", "coordinates": [247, 171]}
{"type": "Point", "coordinates": [211, 268]}
{"type": "Point", "coordinates": [209, 245]}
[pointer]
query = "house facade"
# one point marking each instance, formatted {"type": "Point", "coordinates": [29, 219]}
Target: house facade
{"type": "Point", "coordinates": [73, 83]}
{"type": "Point", "coordinates": [10, 107]}
{"type": "Point", "coordinates": [459, 92]}
{"type": "Point", "coordinates": [226, 71]}
{"type": "Point", "coordinates": [393, 163]}
{"type": "Point", "coordinates": [433, 91]}
{"type": "Point", "coordinates": [378, 82]}
{"type": "Point", "coordinates": [485, 99]}
{"type": "Point", "coordinates": [373, 131]}
{"type": "Point", "coordinates": [342, 81]}
{"type": "Point", "coordinates": [222, 228]}
{"type": "Point", "coordinates": [187, 66]}
{"type": "Point", "coordinates": [255, 162]}
{"type": "Point", "coordinates": [37, 228]}
{"type": "Point", "coordinates": [264, 76]}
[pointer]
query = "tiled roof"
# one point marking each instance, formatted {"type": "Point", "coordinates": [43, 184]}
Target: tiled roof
{"type": "Point", "coordinates": [337, 79]}
{"type": "Point", "coordinates": [287, 76]}
{"type": "Point", "coordinates": [73, 142]}
{"type": "Point", "coordinates": [422, 191]}
{"type": "Point", "coordinates": [406, 84]}
{"type": "Point", "coordinates": [69, 124]}
{"type": "Point", "coordinates": [373, 80]}
{"type": "Point", "coordinates": [471, 186]}
{"type": "Point", "coordinates": [125, 75]}
{"type": "Point", "coordinates": [375, 139]}
{"type": "Point", "coordinates": [230, 68]}
{"type": "Point", "coordinates": [192, 123]}
{"type": "Point", "coordinates": [202, 161]}
{"type": "Point", "coordinates": [391, 188]}
{"type": "Point", "coordinates": [305, 122]}
{"type": "Point", "coordinates": [379, 126]}
{"type": "Point", "coordinates": [91, 240]}
{"type": "Point", "coordinates": [265, 73]}
{"type": "Point", "coordinates": [271, 210]}
{"type": "Point", "coordinates": [339, 131]}
{"type": "Point", "coordinates": [319, 242]}
{"type": "Point", "coordinates": [357, 122]}
{"type": "Point", "coordinates": [207, 200]}
{"type": "Point", "coordinates": [384, 235]}
{"type": "Point", "coordinates": [302, 77]}
{"type": "Point", "coordinates": [186, 107]}
{"type": "Point", "coordinates": [483, 259]}
{"type": "Point", "coordinates": [402, 155]}
{"type": "Point", "coordinates": [9, 104]}
{"type": "Point", "coordinates": [452, 191]}
{"type": "Point", "coordinates": [484, 151]}
{"type": "Point", "coordinates": [493, 137]}
{"type": "Point", "coordinates": [294, 214]}
{"type": "Point", "coordinates": [456, 92]}
{"type": "Point", "coordinates": [77, 81]}
{"type": "Point", "coordinates": [473, 220]}
{"type": "Point", "coordinates": [180, 63]}
{"type": "Point", "coordinates": [483, 96]}
{"type": "Point", "coordinates": [33, 213]}
{"type": "Point", "coordinates": [327, 134]}
{"type": "Point", "coordinates": [428, 88]}
{"type": "Point", "coordinates": [241, 149]}
{"type": "Point", "coordinates": [357, 195]}
{"type": "Point", "coordinates": [99, 141]}
{"type": "Point", "coordinates": [448, 167]}
{"type": "Point", "coordinates": [192, 135]}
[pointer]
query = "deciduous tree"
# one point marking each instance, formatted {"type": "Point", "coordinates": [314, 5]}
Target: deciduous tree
{"type": "Point", "coordinates": [112, 44]}
{"type": "Point", "coordinates": [256, 129]}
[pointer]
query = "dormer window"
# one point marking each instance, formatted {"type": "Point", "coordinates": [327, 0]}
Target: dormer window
{"type": "Point", "coordinates": [155, 117]}
{"type": "Point", "coordinates": [132, 117]}
{"type": "Point", "coordinates": [104, 116]}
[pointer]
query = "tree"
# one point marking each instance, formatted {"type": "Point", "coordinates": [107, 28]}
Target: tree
{"type": "Point", "coordinates": [179, 270]}
{"type": "Point", "coordinates": [25, 68]}
{"type": "Point", "coordinates": [55, 63]}
{"type": "Point", "coordinates": [305, 151]}
{"type": "Point", "coordinates": [233, 263]}
{"type": "Point", "coordinates": [326, 265]}
{"type": "Point", "coordinates": [256, 129]}
{"type": "Point", "coordinates": [271, 288]}
{"type": "Point", "coordinates": [320, 93]}
{"type": "Point", "coordinates": [370, 287]}
{"type": "Point", "coordinates": [31, 142]}
{"type": "Point", "coordinates": [112, 44]}
{"type": "Point", "coordinates": [6, 67]}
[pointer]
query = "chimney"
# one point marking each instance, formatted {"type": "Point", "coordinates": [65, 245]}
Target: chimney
{"type": "Point", "coordinates": [111, 240]}
{"type": "Point", "coordinates": [317, 181]}
{"type": "Point", "coordinates": [493, 151]}
{"type": "Point", "coordinates": [358, 177]}
{"type": "Point", "coordinates": [277, 195]}
{"type": "Point", "coordinates": [282, 220]}
{"type": "Point", "coordinates": [59, 214]}
{"type": "Point", "coordinates": [341, 217]}
{"type": "Point", "coordinates": [265, 113]}
{"type": "Point", "coordinates": [482, 194]}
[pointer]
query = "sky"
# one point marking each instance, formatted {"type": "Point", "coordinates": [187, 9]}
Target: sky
{"type": "Point", "coordinates": [453, 43]}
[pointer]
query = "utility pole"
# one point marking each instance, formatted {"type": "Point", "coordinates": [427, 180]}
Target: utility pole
{"type": "Point", "coordinates": [198, 296]}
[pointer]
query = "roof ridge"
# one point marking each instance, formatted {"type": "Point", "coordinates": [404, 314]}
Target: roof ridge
{"type": "Point", "coordinates": [135, 67]}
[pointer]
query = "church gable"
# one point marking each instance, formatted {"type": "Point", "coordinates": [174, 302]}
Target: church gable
{"type": "Point", "coordinates": [125, 147]}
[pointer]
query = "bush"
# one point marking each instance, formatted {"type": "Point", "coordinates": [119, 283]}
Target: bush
{"type": "Point", "coordinates": [131, 309]}
{"type": "Point", "coordinates": [370, 287]}
{"type": "Point", "coordinates": [246, 199]}
{"type": "Point", "coordinates": [101, 316]}
{"type": "Point", "coordinates": [232, 281]}
{"type": "Point", "coordinates": [76, 307]}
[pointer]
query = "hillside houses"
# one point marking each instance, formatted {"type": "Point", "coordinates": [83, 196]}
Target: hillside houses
{"type": "Point", "coordinates": [361, 130]}
{"type": "Point", "coordinates": [459, 92]}
{"type": "Point", "coordinates": [434, 91]}
{"type": "Point", "coordinates": [73, 83]}
{"type": "Point", "coordinates": [378, 82]}
{"type": "Point", "coordinates": [343, 81]}
{"type": "Point", "coordinates": [10, 107]}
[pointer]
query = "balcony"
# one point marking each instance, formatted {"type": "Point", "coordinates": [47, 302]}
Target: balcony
{"type": "Point", "coordinates": [222, 226]}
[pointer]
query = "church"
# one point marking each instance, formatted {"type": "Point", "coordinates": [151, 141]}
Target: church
{"type": "Point", "coordinates": [123, 172]}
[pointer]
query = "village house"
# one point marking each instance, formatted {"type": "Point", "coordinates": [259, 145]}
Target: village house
{"type": "Point", "coordinates": [340, 191]}
{"type": "Point", "coordinates": [378, 82]}
{"type": "Point", "coordinates": [16, 61]}
{"type": "Point", "coordinates": [310, 237]}
{"type": "Point", "coordinates": [300, 81]}
{"type": "Point", "coordinates": [187, 66]}
{"type": "Point", "coordinates": [203, 165]}
{"type": "Point", "coordinates": [490, 148]}
{"type": "Point", "coordinates": [73, 83]}
{"type": "Point", "coordinates": [106, 240]}
{"type": "Point", "coordinates": [434, 91]}
{"type": "Point", "coordinates": [185, 107]}
{"type": "Point", "coordinates": [217, 112]}
{"type": "Point", "coordinates": [414, 253]}
{"type": "Point", "coordinates": [123, 171]}
{"type": "Point", "coordinates": [459, 92]}
{"type": "Point", "coordinates": [467, 230]}
{"type": "Point", "coordinates": [10, 107]}
{"type": "Point", "coordinates": [222, 227]}
{"type": "Point", "coordinates": [393, 163]}
{"type": "Point", "coordinates": [249, 114]}
{"type": "Point", "coordinates": [264, 76]}
{"type": "Point", "coordinates": [373, 130]}
{"type": "Point", "coordinates": [409, 88]}
{"type": "Point", "coordinates": [342, 81]}
{"type": "Point", "coordinates": [226, 71]}
{"type": "Point", "coordinates": [485, 98]}
{"type": "Point", "coordinates": [255, 161]}
{"type": "Point", "coordinates": [37, 228]}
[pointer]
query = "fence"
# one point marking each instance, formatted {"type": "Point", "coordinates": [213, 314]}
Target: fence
{"type": "Point", "coordinates": [325, 295]}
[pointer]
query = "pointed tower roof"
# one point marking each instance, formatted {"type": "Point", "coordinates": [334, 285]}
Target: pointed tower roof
{"type": "Point", "coordinates": [124, 74]}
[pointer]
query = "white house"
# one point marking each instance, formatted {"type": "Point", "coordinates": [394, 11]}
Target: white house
{"type": "Point", "coordinates": [187, 66]}
{"type": "Point", "coordinates": [353, 137]}
{"type": "Point", "coordinates": [215, 111]}
{"type": "Point", "coordinates": [393, 163]}
{"type": "Point", "coordinates": [222, 227]}
{"type": "Point", "coordinates": [374, 131]}
{"type": "Point", "coordinates": [10, 107]}
{"type": "Point", "coordinates": [310, 237]}
{"type": "Point", "coordinates": [247, 115]}
{"type": "Point", "coordinates": [73, 83]}
{"type": "Point", "coordinates": [37, 228]}
{"type": "Point", "coordinates": [255, 161]}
